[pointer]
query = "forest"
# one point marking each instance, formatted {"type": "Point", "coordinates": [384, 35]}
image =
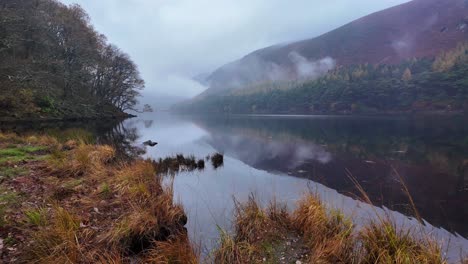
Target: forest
{"type": "Point", "coordinates": [55, 65]}
{"type": "Point", "coordinates": [418, 85]}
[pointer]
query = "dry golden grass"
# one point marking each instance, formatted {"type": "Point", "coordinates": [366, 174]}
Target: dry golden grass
{"type": "Point", "coordinates": [150, 211]}
{"type": "Point", "coordinates": [327, 232]}
{"type": "Point", "coordinates": [383, 242]}
{"type": "Point", "coordinates": [232, 251]}
{"type": "Point", "coordinates": [57, 242]}
{"type": "Point", "coordinates": [255, 229]}
{"type": "Point", "coordinates": [328, 236]}
{"type": "Point", "coordinates": [122, 213]}
{"type": "Point", "coordinates": [42, 140]}
{"type": "Point", "coordinates": [176, 250]}
{"type": "Point", "coordinates": [104, 211]}
{"type": "Point", "coordinates": [89, 160]}
{"type": "Point", "coordinates": [253, 223]}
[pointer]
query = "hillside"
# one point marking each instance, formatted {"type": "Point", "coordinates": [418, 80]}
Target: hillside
{"type": "Point", "coordinates": [420, 28]}
{"type": "Point", "coordinates": [54, 65]}
{"type": "Point", "coordinates": [418, 85]}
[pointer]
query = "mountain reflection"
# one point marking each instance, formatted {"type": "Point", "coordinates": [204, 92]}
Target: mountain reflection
{"type": "Point", "coordinates": [428, 156]}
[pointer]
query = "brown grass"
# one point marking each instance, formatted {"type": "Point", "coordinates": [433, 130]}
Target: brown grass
{"type": "Point", "coordinates": [256, 228]}
{"type": "Point", "coordinates": [176, 250]}
{"type": "Point", "coordinates": [327, 232]}
{"type": "Point", "coordinates": [102, 211]}
{"type": "Point", "coordinates": [383, 242]}
{"type": "Point", "coordinates": [57, 242]}
{"type": "Point", "coordinates": [327, 235]}
{"type": "Point", "coordinates": [82, 206]}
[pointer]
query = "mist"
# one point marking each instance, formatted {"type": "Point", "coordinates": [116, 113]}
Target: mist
{"type": "Point", "coordinates": [311, 69]}
{"type": "Point", "coordinates": [173, 41]}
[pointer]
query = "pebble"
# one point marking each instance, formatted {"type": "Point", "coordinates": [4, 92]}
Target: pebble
{"type": "Point", "coordinates": [298, 262]}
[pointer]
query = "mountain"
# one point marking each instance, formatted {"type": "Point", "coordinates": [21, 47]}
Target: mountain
{"type": "Point", "coordinates": [420, 28]}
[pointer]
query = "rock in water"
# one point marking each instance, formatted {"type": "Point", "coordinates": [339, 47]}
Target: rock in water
{"type": "Point", "coordinates": [150, 143]}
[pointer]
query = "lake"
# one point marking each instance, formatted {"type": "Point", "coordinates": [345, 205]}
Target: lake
{"type": "Point", "coordinates": [282, 157]}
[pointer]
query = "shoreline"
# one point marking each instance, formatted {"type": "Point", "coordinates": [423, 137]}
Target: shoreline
{"type": "Point", "coordinates": [92, 194]}
{"type": "Point", "coordinates": [65, 119]}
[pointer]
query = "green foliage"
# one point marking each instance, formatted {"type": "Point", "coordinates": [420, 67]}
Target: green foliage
{"type": "Point", "coordinates": [47, 104]}
{"type": "Point", "coordinates": [16, 154]}
{"type": "Point", "coordinates": [37, 217]}
{"type": "Point", "coordinates": [414, 85]}
{"type": "Point", "coordinates": [105, 190]}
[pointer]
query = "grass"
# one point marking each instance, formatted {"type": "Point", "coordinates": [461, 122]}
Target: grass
{"type": "Point", "coordinates": [325, 234]}
{"type": "Point", "coordinates": [7, 172]}
{"type": "Point", "coordinates": [79, 135]}
{"type": "Point", "coordinates": [19, 153]}
{"type": "Point", "coordinates": [105, 191]}
{"type": "Point", "coordinates": [8, 199]}
{"type": "Point", "coordinates": [176, 250]}
{"type": "Point", "coordinates": [58, 242]}
{"type": "Point", "coordinates": [383, 242]}
{"type": "Point", "coordinates": [82, 205]}
{"type": "Point", "coordinates": [151, 219]}
{"type": "Point", "coordinates": [37, 217]}
{"type": "Point", "coordinates": [258, 234]}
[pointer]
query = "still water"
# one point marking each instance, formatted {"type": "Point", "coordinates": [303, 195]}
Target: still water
{"type": "Point", "coordinates": [282, 157]}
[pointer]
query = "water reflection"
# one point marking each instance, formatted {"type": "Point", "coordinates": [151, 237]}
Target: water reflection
{"type": "Point", "coordinates": [429, 156]}
{"type": "Point", "coordinates": [281, 157]}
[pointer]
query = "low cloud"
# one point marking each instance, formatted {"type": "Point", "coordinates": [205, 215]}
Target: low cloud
{"type": "Point", "coordinates": [311, 69]}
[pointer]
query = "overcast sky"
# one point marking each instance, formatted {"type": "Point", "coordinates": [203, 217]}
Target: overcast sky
{"type": "Point", "coordinates": [174, 40]}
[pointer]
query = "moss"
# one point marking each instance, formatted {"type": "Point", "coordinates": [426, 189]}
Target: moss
{"type": "Point", "coordinates": [11, 152]}
{"type": "Point", "coordinates": [32, 149]}
{"type": "Point", "coordinates": [20, 153]}
{"type": "Point", "coordinates": [12, 172]}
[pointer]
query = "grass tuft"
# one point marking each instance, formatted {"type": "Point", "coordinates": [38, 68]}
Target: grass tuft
{"type": "Point", "coordinates": [37, 217]}
{"type": "Point", "coordinates": [327, 233]}
{"type": "Point", "coordinates": [176, 250]}
{"type": "Point", "coordinates": [232, 251]}
{"type": "Point", "coordinates": [383, 242]}
{"type": "Point", "coordinates": [58, 242]}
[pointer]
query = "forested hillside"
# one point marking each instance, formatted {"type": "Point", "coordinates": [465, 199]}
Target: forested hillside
{"type": "Point", "coordinates": [416, 29]}
{"type": "Point", "coordinates": [425, 84]}
{"type": "Point", "coordinates": [53, 64]}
